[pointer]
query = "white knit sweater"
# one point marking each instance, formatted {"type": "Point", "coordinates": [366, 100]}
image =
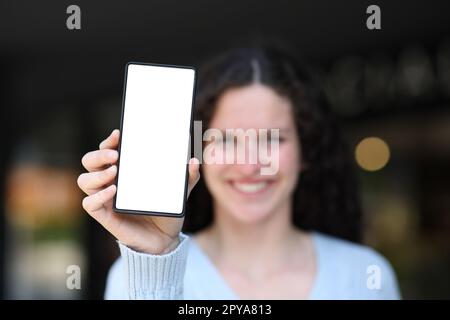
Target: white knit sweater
{"type": "Point", "coordinates": [344, 271]}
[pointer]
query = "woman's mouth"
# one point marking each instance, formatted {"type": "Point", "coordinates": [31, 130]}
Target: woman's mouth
{"type": "Point", "coordinates": [251, 188]}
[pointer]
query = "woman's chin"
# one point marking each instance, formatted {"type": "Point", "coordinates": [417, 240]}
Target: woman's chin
{"type": "Point", "coordinates": [250, 215]}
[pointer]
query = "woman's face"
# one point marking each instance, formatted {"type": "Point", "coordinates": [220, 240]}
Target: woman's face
{"type": "Point", "coordinates": [239, 188]}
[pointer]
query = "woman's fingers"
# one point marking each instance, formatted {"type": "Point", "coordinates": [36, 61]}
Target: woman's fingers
{"type": "Point", "coordinates": [95, 203]}
{"type": "Point", "coordinates": [96, 160]}
{"type": "Point", "coordinates": [92, 182]}
{"type": "Point", "coordinates": [112, 141]}
{"type": "Point", "coordinates": [194, 173]}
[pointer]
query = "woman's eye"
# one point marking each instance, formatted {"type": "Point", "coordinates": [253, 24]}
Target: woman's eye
{"type": "Point", "coordinates": [231, 141]}
{"type": "Point", "coordinates": [277, 140]}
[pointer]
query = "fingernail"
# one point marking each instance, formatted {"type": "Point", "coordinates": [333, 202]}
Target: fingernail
{"type": "Point", "coordinates": [110, 188]}
{"type": "Point", "coordinates": [112, 155]}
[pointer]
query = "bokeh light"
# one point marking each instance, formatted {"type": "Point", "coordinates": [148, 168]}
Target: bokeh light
{"type": "Point", "coordinates": [372, 153]}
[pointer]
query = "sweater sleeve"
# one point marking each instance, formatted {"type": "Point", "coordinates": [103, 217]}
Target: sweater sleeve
{"type": "Point", "coordinates": [154, 277]}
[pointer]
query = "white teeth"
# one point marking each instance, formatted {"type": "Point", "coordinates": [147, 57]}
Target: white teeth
{"type": "Point", "coordinates": [250, 187]}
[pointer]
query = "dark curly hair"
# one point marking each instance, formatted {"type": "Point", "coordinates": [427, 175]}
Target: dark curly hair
{"type": "Point", "coordinates": [326, 197]}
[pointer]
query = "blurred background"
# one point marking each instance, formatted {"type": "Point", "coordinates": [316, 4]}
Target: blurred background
{"type": "Point", "coordinates": [61, 95]}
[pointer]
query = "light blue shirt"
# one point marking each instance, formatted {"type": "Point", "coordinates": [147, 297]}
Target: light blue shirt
{"type": "Point", "coordinates": [345, 270]}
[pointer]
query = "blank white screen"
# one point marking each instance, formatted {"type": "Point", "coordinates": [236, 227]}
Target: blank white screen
{"type": "Point", "coordinates": [155, 138]}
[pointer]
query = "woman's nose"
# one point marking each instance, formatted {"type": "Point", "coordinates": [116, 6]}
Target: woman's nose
{"type": "Point", "coordinates": [248, 169]}
{"type": "Point", "coordinates": [248, 162]}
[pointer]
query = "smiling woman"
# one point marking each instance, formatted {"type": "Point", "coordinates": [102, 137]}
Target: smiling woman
{"type": "Point", "coordinates": [247, 235]}
{"type": "Point", "coordinates": [240, 189]}
{"type": "Point", "coordinates": [268, 88]}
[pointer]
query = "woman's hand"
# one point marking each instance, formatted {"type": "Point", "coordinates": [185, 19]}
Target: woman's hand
{"type": "Point", "coordinates": [147, 234]}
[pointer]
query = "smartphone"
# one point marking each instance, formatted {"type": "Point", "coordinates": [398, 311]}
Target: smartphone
{"type": "Point", "coordinates": [155, 126]}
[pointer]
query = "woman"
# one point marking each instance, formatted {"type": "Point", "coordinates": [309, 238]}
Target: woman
{"type": "Point", "coordinates": [289, 235]}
